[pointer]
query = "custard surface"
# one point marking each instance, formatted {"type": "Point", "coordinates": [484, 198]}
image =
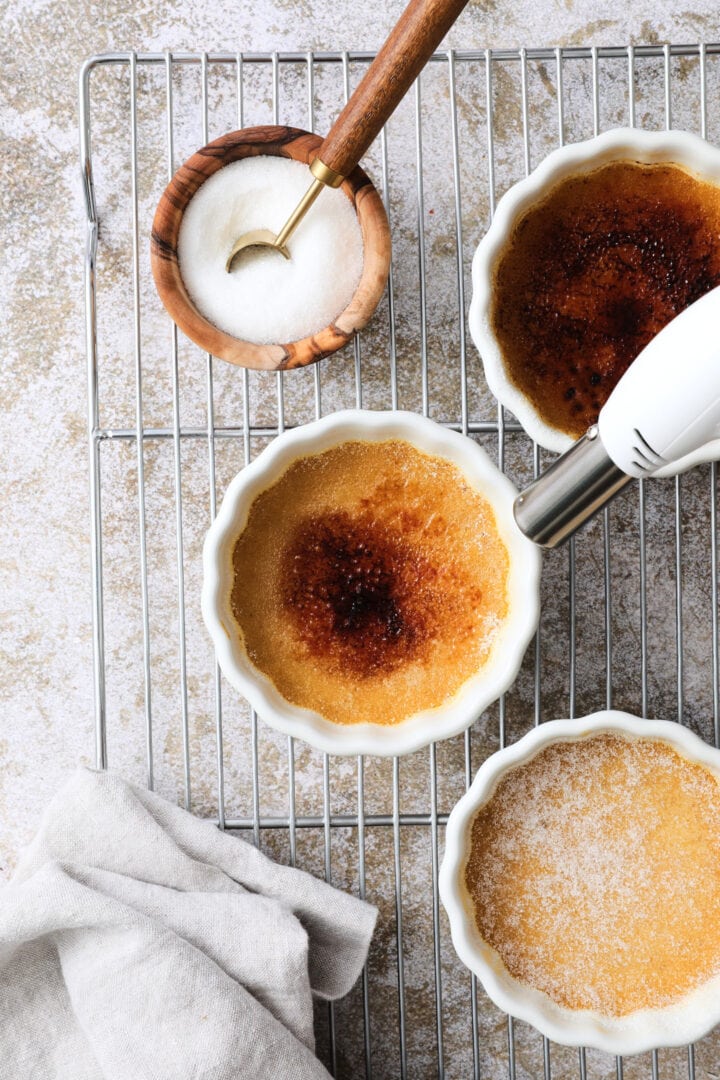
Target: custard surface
{"type": "Point", "coordinates": [370, 582]}
{"type": "Point", "coordinates": [594, 872]}
{"type": "Point", "coordinates": [592, 272]}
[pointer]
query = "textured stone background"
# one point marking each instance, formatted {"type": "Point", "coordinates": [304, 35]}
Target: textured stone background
{"type": "Point", "coordinates": [46, 724]}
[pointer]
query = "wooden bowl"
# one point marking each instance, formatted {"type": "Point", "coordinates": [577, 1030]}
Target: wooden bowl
{"type": "Point", "coordinates": [255, 142]}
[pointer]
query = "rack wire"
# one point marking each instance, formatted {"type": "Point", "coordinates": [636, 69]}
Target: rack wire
{"type": "Point", "coordinates": [630, 608]}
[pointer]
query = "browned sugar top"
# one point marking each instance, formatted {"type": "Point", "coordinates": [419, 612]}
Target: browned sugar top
{"type": "Point", "coordinates": [359, 594]}
{"type": "Point", "coordinates": [369, 582]}
{"type": "Point", "coordinates": [594, 871]}
{"type": "Point", "coordinates": [592, 272]}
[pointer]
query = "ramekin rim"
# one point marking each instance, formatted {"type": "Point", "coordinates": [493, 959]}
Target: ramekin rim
{"type": "Point", "coordinates": [615, 144]}
{"type": "Point", "coordinates": [640, 1031]}
{"type": "Point", "coordinates": [508, 650]}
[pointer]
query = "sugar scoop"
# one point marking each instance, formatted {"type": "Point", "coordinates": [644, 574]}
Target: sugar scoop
{"type": "Point", "coordinates": [420, 29]}
{"type": "Point", "coordinates": [662, 418]}
{"type": "Point", "coordinates": [333, 162]}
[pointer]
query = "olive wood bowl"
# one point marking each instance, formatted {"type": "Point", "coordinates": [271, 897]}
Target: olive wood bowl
{"type": "Point", "coordinates": [278, 142]}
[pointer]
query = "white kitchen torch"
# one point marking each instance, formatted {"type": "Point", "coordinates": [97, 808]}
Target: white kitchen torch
{"type": "Point", "coordinates": [662, 417]}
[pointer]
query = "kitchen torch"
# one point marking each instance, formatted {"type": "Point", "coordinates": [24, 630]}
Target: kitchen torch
{"type": "Point", "coordinates": [662, 417]}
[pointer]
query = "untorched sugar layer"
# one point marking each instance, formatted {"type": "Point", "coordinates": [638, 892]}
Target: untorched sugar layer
{"type": "Point", "coordinates": [268, 299]}
{"type": "Point", "coordinates": [594, 871]}
{"type": "Point", "coordinates": [370, 582]}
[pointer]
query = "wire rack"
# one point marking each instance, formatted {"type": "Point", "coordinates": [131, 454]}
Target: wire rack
{"type": "Point", "coordinates": [630, 608]}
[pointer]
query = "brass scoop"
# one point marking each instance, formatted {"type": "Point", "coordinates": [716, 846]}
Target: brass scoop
{"type": "Point", "coordinates": [420, 29]}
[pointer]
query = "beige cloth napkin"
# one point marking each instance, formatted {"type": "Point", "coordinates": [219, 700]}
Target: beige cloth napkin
{"type": "Point", "coordinates": [140, 943]}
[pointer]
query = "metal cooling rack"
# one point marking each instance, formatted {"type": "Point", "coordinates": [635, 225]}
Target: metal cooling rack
{"type": "Point", "coordinates": [630, 607]}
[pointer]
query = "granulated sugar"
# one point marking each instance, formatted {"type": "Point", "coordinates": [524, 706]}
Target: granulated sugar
{"type": "Point", "coordinates": [595, 873]}
{"type": "Point", "coordinates": [268, 298]}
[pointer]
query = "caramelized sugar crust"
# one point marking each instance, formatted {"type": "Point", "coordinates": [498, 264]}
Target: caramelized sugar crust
{"type": "Point", "coordinates": [594, 872]}
{"type": "Point", "coordinates": [592, 273]}
{"type": "Point", "coordinates": [370, 582]}
{"type": "Point", "coordinates": [361, 596]}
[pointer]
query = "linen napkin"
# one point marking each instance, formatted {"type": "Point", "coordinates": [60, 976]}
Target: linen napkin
{"type": "Point", "coordinates": [140, 943]}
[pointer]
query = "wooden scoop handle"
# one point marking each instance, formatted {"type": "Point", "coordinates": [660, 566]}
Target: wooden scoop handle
{"type": "Point", "coordinates": [422, 26]}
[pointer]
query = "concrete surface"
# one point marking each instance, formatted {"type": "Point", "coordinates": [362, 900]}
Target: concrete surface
{"type": "Point", "coordinates": [46, 680]}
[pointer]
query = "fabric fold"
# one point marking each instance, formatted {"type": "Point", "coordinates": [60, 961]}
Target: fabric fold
{"type": "Point", "coordinates": [138, 941]}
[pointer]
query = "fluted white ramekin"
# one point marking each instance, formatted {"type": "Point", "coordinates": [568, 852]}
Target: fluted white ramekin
{"type": "Point", "coordinates": [575, 159]}
{"type": "Point", "coordinates": [478, 692]}
{"type": "Point", "coordinates": [684, 1022]}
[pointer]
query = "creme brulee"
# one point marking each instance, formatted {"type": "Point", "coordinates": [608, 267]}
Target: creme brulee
{"type": "Point", "coordinates": [592, 272]}
{"type": "Point", "coordinates": [594, 872]}
{"type": "Point", "coordinates": [370, 582]}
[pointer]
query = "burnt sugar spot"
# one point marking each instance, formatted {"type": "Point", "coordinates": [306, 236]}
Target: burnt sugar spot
{"type": "Point", "coordinates": [593, 273]}
{"type": "Point", "coordinates": [360, 596]}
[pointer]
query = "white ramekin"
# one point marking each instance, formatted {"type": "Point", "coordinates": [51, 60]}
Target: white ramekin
{"type": "Point", "coordinates": [478, 692]}
{"type": "Point", "coordinates": [621, 144]}
{"type": "Point", "coordinates": [642, 1030]}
